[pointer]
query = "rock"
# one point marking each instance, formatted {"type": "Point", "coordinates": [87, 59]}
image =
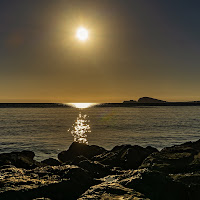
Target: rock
{"type": "Point", "coordinates": [125, 156]}
{"type": "Point", "coordinates": [96, 169]}
{"type": "Point", "coordinates": [22, 159]}
{"type": "Point", "coordinates": [188, 178]}
{"type": "Point", "coordinates": [29, 154]}
{"type": "Point", "coordinates": [183, 158]}
{"type": "Point", "coordinates": [77, 160]}
{"type": "Point", "coordinates": [111, 191]}
{"type": "Point", "coordinates": [192, 180]}
{"type": "Point", "coordinates": [51, 162]}
{"type": "Point", "coordinates": [154, 185]}
{"type": "Point", "coordinates": [77, 149]}
{"type": "Point", "coordinates": [56, 183]}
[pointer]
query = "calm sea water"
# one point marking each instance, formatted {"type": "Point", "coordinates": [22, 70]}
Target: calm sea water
{"type": "Point", "coordinates": [45, 130]}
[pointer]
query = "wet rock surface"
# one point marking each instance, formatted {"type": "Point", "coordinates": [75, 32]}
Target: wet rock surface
{"type": "Point", "coordinates": [125, 172]}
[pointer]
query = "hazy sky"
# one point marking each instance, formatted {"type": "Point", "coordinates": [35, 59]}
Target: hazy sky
{"type": "Point", "coordinates": [136, 48]}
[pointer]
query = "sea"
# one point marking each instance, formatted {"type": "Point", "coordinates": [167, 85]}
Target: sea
{"type": "Point", "coordinates": [47, 131]}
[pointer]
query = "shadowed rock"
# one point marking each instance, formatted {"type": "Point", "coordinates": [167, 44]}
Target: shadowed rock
{"type": "Point", "coordinates": [192, 181]}
{"type": "Point", "coordinates": [154, 185]}
{"type": "Point", "coordinates": [95, 168]}
{"type": "Point", "coordinates": [182, 162]}
{"type": "Point", "coordinates": [51, 162]}
{"type": "Point", "coordinates": [42, 199]}
{"type": "Point", "coordinates": [177, 159]}
{"type": "Point", "coordinates": [77, 149]}
{"type": "Point", "coordinates": [22, 159]}
{"type": "Point", "coordinates": [125, 156]}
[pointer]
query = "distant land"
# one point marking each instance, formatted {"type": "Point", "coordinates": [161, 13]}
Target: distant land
{"type": "Point", "coordinates": [149, 101]}
{"type": "Point", "coordinates": [143, 101]}
{"type": "Point", "coordinates": [146, 100]}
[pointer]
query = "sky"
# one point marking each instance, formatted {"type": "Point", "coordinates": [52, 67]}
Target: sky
{"type": "Point", "coordinates": [135, 48]}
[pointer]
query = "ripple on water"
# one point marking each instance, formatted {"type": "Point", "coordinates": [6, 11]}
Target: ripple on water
{"type": "Point", "coordinates": [44, 130]}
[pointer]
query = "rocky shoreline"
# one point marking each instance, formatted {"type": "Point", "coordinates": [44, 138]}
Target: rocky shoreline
{"type": "Point", "coordinates": [92, 172]}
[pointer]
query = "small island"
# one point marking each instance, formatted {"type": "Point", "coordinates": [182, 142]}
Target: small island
{"type": "Point", "coordinates": [146, 100]}
{"type": "Point", "coordinates": [149, 101]}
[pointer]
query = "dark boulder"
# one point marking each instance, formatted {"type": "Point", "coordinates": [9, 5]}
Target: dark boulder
{"type": "Point", "coordinates": [125, 156]}
{"type": "Point", "coordinates": [154, 185]}
{"type": "Point", "coordinates": [28, 154]}
{"type": "Point", "coordinates": [77, 149]}
{"type": "Point", "coordinates": [22, 159]}
{"type": "Point", "coordinates": [192, 181]}
{"type": "Point", "coordinates": [51, 162]}
{"type": "Point", "coordinates": [96, 169]}
{"type": "Point", "coordinates": [77, 160]}
{"type": "Point", "coordinates": [177, 159]}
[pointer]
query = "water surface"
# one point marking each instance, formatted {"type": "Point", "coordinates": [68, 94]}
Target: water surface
{"type": "Point", "coordinates": [45, 130]}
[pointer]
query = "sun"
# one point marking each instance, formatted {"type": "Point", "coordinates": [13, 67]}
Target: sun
{"type": "Point", "coordinates": [82, 34]}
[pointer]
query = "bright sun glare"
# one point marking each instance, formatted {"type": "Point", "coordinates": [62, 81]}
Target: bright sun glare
{"type": "Point", "coordinates": [82, 34]}
{"type": "Point", "coordinates": [82, 105]}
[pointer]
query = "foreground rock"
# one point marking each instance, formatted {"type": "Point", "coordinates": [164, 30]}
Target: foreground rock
{"type": "Point", "coordinates": [138, 184]}
{"type": "Point", "coordinates": [51, 162]}
{"type": "Point", "coordinates": [22, 159]}
{"type": "Point", "coordinates": [154, 185]}
{"type": "Point", "coordinates": [77, 149]}
{"type": "Point", "coordinates": [111, 191]}
{"type": "Point", "coordinates": [125, 156]}
{"type": "Point", "coordinates": [183, 158]}
{"type": "Point", "coordinates": [125, 172]}
{"type": "Point", "coordinates": [192, 181]}
{"type": "Point", "coordinates": [58, 182]}
{"type": "Point", "coordinates": [94, 168]}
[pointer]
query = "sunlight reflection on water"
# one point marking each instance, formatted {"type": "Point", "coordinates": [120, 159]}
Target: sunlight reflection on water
{"type": "Point", "coordinates": [80, 129]}
{"type": "Point", "coordinates": [81, 126]}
